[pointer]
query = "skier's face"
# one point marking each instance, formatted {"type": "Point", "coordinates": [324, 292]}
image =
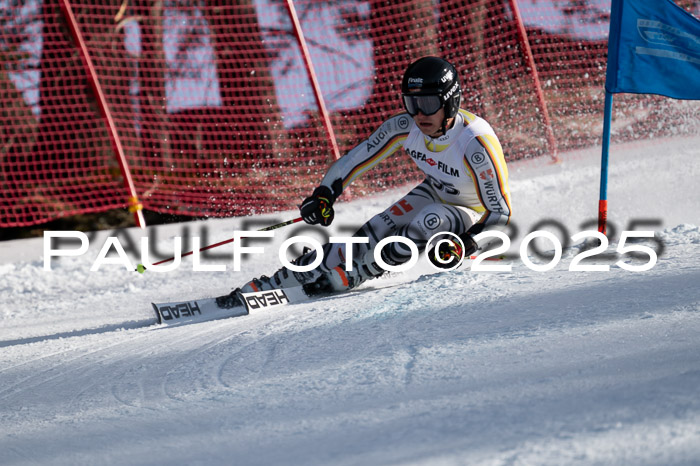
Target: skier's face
{"type": "Point", "coordinates": [430, 125]}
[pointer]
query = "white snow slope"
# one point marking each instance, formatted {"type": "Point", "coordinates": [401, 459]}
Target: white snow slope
{"type": "Point", "coordinates": [463, 367]}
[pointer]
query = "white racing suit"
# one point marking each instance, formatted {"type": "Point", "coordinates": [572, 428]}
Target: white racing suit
{"type": "Point", "coordinates": [465, 190]}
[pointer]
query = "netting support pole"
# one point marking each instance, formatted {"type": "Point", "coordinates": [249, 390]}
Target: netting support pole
{"type": "Point", "coordinates": [296, 26]}
{"type": "Point", "coordinates": [133, 202]}
{"type": "Point", "coordinates": [527, 50]}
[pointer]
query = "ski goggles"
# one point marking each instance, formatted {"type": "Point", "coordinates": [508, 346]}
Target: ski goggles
{"type": "Point", "coordinates": [426, 104]}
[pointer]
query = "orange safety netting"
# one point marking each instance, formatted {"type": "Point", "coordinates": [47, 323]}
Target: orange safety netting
{"type": "Point", "coordinates": [216, 114]}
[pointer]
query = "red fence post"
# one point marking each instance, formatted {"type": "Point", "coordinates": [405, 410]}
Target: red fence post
{"type": "Point", "coordinates": [134, 204]}
{"type": "Point", "coordinates": [312, 77]}
{"type": "Point", "coordinates": [525, 43]}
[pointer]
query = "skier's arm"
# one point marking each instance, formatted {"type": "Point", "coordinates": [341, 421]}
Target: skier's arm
{"type": "Point", "coordinates": [386, 140]}
{"type": "Point", "coordinates": [485, 162]}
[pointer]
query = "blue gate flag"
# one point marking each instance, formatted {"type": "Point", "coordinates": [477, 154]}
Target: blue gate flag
{"type": "Point", "coordinates": [653, 48]}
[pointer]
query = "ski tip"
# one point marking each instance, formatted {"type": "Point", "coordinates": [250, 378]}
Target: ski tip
{"type": "Point", "coordinates": [158, 316]}
{"type": "Point", "coordinates": [140, 268]}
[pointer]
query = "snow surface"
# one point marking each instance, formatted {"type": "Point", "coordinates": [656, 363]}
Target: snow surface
{"type": "Point", "coordinates": [487, 368]}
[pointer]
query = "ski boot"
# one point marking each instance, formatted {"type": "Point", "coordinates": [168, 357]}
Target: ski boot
{"type": "Point", "coordinates": [340, 279]}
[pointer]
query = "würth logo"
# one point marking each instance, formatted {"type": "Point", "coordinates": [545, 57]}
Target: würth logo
{"type": "Point", "coordinates": [486, 174]}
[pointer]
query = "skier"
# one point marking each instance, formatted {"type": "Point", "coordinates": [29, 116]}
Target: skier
{"type": "Point", "coordinates": [465, 188]}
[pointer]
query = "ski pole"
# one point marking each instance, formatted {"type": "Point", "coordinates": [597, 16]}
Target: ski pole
{"type": "Point", "coordinates": [491, 258]}
{"type": "Point", "coordinates": [140, 268]}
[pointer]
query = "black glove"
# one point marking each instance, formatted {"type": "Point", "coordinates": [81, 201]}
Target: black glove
{"type": "Point", "coordinates": [318, 208]}
{"type": "Point", "coordinates": [450, 251]}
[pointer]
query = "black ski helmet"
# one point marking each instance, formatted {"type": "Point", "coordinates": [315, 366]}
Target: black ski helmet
{"type": "Point", "coordinates": [433, 76]}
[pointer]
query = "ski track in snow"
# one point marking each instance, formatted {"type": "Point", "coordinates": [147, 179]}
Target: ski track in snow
{"type": "Point", "coordinates": [462, 367]}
